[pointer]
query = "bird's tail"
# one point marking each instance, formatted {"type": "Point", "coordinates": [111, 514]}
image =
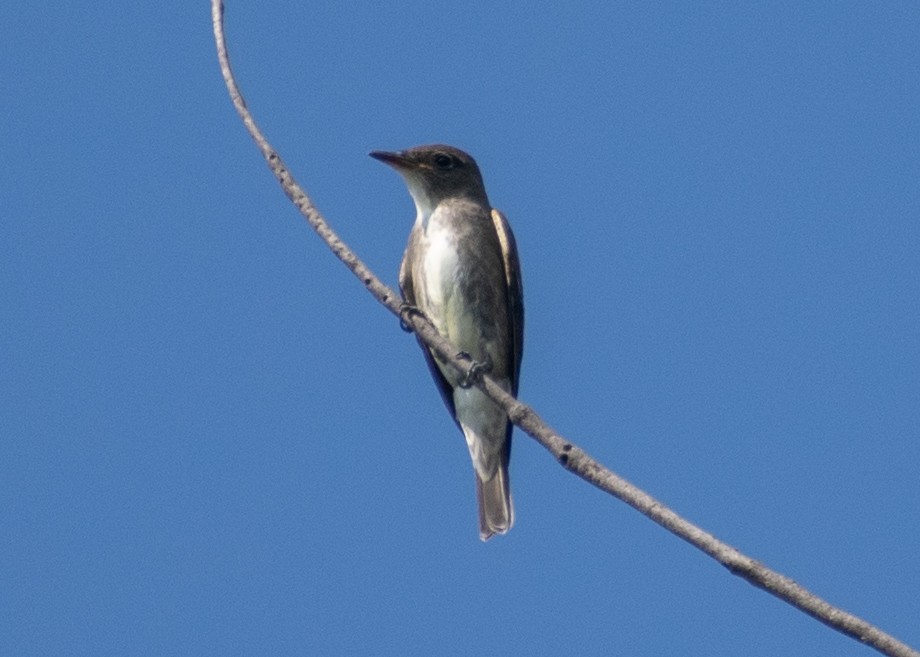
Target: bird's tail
{"type": "Point", "coordinates": [496, 514]}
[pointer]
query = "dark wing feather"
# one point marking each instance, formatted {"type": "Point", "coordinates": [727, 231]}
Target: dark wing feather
{"type": "Point", "coordinates": [515, 294]}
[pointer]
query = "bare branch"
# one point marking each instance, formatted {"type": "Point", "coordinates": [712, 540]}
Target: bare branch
{"type": "Point", "coordinates": [570, 456]}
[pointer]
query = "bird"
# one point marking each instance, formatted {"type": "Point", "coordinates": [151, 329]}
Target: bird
{"type": "Point", "coordinates": [461, 270]}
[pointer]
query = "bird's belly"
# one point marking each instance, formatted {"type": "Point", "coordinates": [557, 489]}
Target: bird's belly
{"type": "Point", "coordinates": [441, 269]}
{"type": "Point", "coordinates": [444, 301]}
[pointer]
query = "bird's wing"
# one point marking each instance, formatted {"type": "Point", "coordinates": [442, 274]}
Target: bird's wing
{"type": "Point", "coordinates": [515, 291]}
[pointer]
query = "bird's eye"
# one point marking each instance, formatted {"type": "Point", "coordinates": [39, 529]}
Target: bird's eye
{"type": "Point", "coordinates": [444, 161]}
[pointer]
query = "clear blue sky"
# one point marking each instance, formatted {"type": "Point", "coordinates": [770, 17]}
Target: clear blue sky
{"type": "Point", "coordinates": [214, 442]}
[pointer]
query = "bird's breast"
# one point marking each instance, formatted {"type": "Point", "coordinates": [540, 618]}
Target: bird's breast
{"type": "Point", "coordinates": [458, 279]}
{"type": "Point", "coordinates": [440, 265]}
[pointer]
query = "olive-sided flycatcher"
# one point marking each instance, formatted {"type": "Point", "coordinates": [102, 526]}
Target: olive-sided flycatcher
{"type": "Point", "coordinates": [461, 270]}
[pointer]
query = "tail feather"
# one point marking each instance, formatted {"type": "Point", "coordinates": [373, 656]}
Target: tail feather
{"type": "Point", "coordinates": [496, 513]}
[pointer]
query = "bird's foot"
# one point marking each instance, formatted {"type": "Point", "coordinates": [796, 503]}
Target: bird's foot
{"type": "Point", "coordinates": [405, 311]}
{"type": "Point", "coordinates": [475, 371]}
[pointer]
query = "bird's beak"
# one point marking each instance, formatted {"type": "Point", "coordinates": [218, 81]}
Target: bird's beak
{"type": "Point", "coordinates": [396, 160]}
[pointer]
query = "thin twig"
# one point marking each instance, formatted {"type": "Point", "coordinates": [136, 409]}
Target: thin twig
{"type": "Point", "coordinates": [570, 456]}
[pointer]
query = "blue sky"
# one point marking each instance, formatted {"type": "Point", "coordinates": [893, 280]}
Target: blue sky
{"type": "Point", "coordinates": [214, 442]}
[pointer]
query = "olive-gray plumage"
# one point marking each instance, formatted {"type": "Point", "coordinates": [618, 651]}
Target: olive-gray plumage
{"type": "Point", "coordinates": [461, 270]}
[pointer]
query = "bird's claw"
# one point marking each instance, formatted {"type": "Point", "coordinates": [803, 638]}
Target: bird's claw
{"type": "Point", "coordinates": [475, 371]}
{"type": "Point", "coordinates": [405, 310]}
